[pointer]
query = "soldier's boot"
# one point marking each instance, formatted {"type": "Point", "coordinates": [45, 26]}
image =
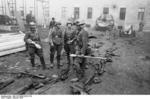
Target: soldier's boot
{"type": "Point", "coordinates": [81, 75]}
{"type": "Point", "coordinates": [43, 62]}
{"type": "Point", "coordinates": [32, 63]}
{"type": "Point", "coordinates": [52, 61]}
{"type": "Point", "coordinates": [58, 62]}
{"type": "Point", "coordinates": [76, 79]}
{"type": "Point", "coordinates": [68, 64]}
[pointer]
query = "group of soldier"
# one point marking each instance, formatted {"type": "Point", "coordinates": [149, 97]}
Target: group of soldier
{"type": "Point", "coordinates": [74, 40]}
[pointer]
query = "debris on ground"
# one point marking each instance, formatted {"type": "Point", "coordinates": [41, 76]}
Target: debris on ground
{"type": "Point", "coordinates": [104, 76]}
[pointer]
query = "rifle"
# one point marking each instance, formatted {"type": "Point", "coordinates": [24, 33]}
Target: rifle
{"type": "Point", "coordinates": [20, 73]}
{"type": "Point", "coordinates": [83, 56]}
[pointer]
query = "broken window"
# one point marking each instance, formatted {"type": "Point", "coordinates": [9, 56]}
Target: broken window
{"type": "Point", "coordinates": [89, 13]}
{"type": "Point", "coordinates": [106, 10]}
{"type": "Point", "coordinates": [141, 12]}
{"type": "Point", "coordinates": [63, 12]}
{"type": "Point", "coordinates": [122, 13]}
{"type": "Point", "coordinates": [76, 12]}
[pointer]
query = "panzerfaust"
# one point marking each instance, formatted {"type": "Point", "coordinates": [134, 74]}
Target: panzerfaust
{"type": "Point", "coordinates": [83, 56]}
{"type": "Point", "coordinates": [36, 45]}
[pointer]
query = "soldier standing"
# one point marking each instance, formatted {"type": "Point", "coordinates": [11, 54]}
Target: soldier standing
{"type": "Point", "coordinates": [56, 42]}
{"type": "Point", "coordinates": [52, 23]}
{"type": "Point", "coordinates": [34, 46]}
{"type": "Point", "coordinates": [69, 44]}
{"type": "Point", "coordinates": [82, 49]}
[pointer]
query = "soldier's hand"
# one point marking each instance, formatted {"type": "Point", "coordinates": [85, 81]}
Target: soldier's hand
{"type": "Point", "coordinates": [69, 42]}
{"type": "Point", "coordinates": [77, 52]}
{"type": "Point", "coordinates": [82, 54]}
{"type": "Point", "coordinates": [29, 41]}
{"type": "Point", "coordinates": [52, 44]}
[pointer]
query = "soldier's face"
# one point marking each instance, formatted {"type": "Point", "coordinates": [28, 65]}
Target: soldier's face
{"type": "Point", "coordinates": [74, 28]}
{"type": "Point", "coordinates": [33, 30]}
{"type": "Point", "coordinates": [69, 25]}
{"type": "Point", "coordinates": [86, 28]}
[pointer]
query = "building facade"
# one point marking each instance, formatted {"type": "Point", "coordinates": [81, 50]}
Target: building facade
{"type": "Point", "coordinates": [124, 12]}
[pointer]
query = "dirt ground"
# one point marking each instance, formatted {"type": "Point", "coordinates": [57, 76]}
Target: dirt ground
{"type": "Point", "coordinates": [129, 73]}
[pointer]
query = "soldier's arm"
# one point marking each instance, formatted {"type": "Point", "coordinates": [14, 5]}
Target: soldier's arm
{"type": "Point", "coordinates": [50, 25]}
{"type": "Point", "coordinates": [39, 37]}
{"type": "Point", "coordinates": [26, 37]}
{"type": "Point", "coordinates": [62, 36]}
{"type": "Point", "coordinates": [85, 42]}
{"type": "Point", "coordinates": [65, 37]}
{"type": "Point", "coordinates": [50, 36]}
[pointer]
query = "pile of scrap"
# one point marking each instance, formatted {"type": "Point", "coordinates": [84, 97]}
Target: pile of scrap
{"type": "Point", "coordinates": [11, 43]}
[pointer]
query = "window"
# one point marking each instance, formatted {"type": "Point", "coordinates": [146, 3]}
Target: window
{"type": "Point", "coordinates": [63, 12]}
{"type": "Point", "coordinates": [22, 13]}
{"type": "Point", "coordinates": [12, 12]}
{"type": "Point", "coordinates": [122, 13]}
{"type": "Point", "coordinates": [89, 13]}
{"type": "Point", "coordinates": [76, 13]}
{"type": "Point", "coordinates": [141, 12]}
{"type": "Point", "coordinates": [106, 10]}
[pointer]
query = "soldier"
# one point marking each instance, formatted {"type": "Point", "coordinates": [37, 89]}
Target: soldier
{"type": "Point", "coordinates": [52, 23]}
{"type": "Point", "coordinates": [33, 42]}
{"type": "Point", "coordinates": [29, 18]}
{"type": "Point", "coordinates": [82, 49]}
{"type": "Point", "coordinates": [56, 42]}
{"type": "Point", "coordinates": [69, 44]}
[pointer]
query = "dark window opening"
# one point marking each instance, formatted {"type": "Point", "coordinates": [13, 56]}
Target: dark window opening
{"type": "Point", "coordinates": [22, 13]}
{"type": "Point", "coordinates": [122, 13]}
{"type": "Point", "coordinates": [76, 13]}
{"type": "Point", "coordinates": [89, 14]}
{"type": "Point", "coordinates": [141, 12]}
{"type": "Point", "coordinates": [106, 10]}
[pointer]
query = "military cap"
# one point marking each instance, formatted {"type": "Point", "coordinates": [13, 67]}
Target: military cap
{"type": "Point", "coordinates": [68, 23]}
{"type": "Point", "coordinates": [32, 25]}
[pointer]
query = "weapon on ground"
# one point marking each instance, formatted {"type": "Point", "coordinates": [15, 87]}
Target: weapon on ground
{"type": "Point", "coordinates": [83, 56]}
{"type": "Point", "coordinates": [20, 73]}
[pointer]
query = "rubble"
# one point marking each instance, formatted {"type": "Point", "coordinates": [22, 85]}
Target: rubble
{"type": "Point", "coordinates": [102, 75]}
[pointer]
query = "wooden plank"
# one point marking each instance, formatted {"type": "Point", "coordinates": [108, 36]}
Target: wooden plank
{"type": "Point", "coordinates": [11, 45]}
{"type": "Point", "coordinates": [8, 38]}
{"type": "Point", "coordinates": [12, 51]}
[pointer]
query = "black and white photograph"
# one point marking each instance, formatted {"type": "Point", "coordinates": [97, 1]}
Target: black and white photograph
{"type": "Point", "coordinates": [74, 47]}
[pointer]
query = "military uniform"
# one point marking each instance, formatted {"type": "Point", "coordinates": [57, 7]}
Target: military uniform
{"type": "Point", "coordinates": [32, 48]}
{"type": "Point", "coordinates": [69, 44]}
{"type": "Point", "coordinates": [82, 49]}
{"type": "Point", "coordinates": [52, 24]}
{"type": "Point", "coordinates": [56, 44]}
